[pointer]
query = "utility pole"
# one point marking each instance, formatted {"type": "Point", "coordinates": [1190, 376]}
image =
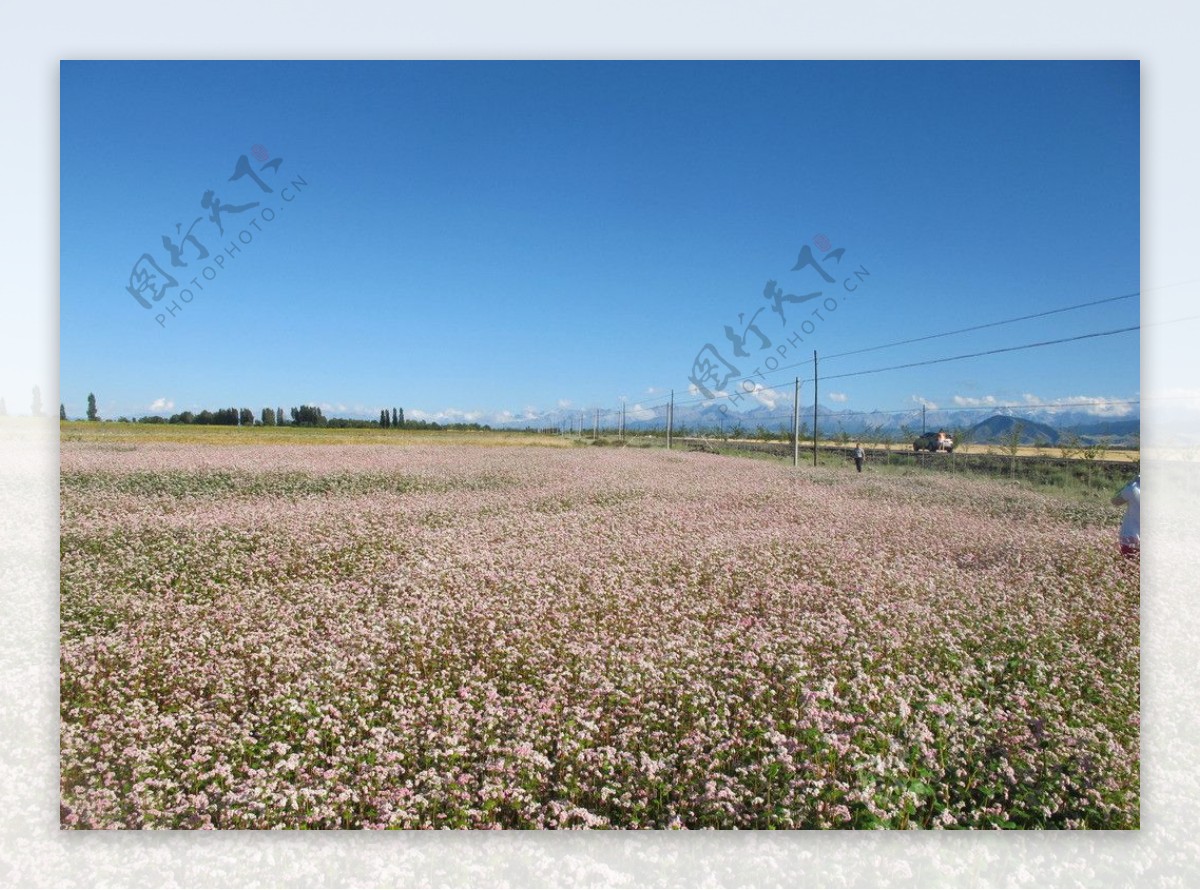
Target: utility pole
{"type": "Point", "coordinates": [814, 407]}
{"type": "Point", "coordinates": [596, 426]}
{"type": "Point", "coordinates": [922, 418]}
{"type": "Point", "coordinates": [622, 420]}
{"type": "Point", "coordinates": [796, 426]}
{"type": "Point", "coordinates": [670, 419]}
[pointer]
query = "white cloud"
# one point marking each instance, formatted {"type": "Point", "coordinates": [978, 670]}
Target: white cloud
{"type": "Point", "coordinates": [564, 403]}
{"type": "Point", "coordinates": [1099, 406]}
{"type": "Point", "coordinates": [921, 400]}
{"type": "Point", "coordinates": [1102, 406]}
{"type": "Point", "coordinates": [838, 397]}
{"type": "Point", "coordinates": [637, 412]}
{"type": "Point", "coordinates": [765, 395]}
{"type": "Point", "coordinates": [162, 405]}
{"type": "Point", "coordinates": [454, 415]}
{"type": "Point", "coordinates": [715, 393]}
{"type": "Point", "coordinates": [974, 402]}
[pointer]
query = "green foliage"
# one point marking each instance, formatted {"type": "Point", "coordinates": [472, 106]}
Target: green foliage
{"type": "Point", "coordinates": [308, 415]}
{"type": "Point", "coordinates": [1069, 446]}
{"type": "Point", "coordinates": [1011, 443]}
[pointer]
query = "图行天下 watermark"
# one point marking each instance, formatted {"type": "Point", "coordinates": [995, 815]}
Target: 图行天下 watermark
{"type": "Point", "coordinates": [712, 371]}
{"type": "Point", "coordinates": [158, 290]}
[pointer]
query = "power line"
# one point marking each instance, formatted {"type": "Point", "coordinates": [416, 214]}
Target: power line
{"type": "Point", "coordinates": [997, 351]}
{"type": "Point", "coordinates": [769, 384]}
{"type": "Point", "coordinates": [939, 335]}
{"type": "Point", "coordinates": [954, 358]}
{"type": "Point", "coordinates": [980, 327]}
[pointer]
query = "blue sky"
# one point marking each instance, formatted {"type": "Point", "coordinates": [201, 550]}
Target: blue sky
{"type": "Point", "coordinates": [482, 240]}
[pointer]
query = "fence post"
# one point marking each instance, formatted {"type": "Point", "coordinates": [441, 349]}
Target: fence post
{"type": "Point", "coordinates": [670, 419]}
{"type": "Point", "coordinates": [796, 426]}
{"type": "Point", "coordinates": [814, 408]}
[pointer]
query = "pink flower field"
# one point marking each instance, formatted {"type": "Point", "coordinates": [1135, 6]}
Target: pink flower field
{"type": "Point", "coordinates": [458, 637]}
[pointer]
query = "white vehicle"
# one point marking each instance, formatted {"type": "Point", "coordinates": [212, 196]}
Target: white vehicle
{"type": "Point", "coordinates": [939, 441]}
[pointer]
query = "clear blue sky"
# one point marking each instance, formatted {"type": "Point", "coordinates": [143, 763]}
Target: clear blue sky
{"type": "Point", "coordinates": [502, 237]}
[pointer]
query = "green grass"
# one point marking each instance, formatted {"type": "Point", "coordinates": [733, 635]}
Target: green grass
{"type": "Point", "coordinates": [126, 434]}
{"type": "Point", "coordinates": [1086, 484]}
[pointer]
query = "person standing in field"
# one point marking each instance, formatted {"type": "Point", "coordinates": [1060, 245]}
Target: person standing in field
{"type": "Point", "coordinates": [1131, 525]}
{"type": "Point", "coordinates": [859, 455]}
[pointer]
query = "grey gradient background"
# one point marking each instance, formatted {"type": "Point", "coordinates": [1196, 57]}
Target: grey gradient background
{"type": "Point", "coordinates": [34, 853]}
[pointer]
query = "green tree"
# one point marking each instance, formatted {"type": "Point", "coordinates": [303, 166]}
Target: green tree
{"type": "Point", "coordinates": [1096, 450]}
{"type": "Point", "coordinates": [963, 437]}
{"type": "Point", "coordinates": [62, 411]}
{"type": "Point", "coordinates": [1069, 446]}
{"type": "Point", "coordinates": [401, 423]}
{"type": "Point", "coordinates": [876, 435]}
{"type": "Point", "coordinates": [268, 417]}
{"type": "Point", "coordinates": [1092, 452]}
{"type": "Point", "coordinates": [308, 415]}
{"type": "Point", "coordinates": [383, 419]}
{"type": "Point", "coordinates": [246, 416]}
{"type": "Point", "coordinates": [1011, 442]}
{"type": "Point", "coordinates": [92, 413]}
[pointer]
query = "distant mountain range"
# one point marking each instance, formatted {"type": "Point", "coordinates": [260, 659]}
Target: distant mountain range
{"type": "Point", "coordinates": [1049, 425]}
{"type": "Point", "coordinates": [1000, 428]}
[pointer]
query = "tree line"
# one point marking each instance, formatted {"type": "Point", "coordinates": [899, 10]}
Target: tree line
{"type": "Point", "coordinates": [304, 416]}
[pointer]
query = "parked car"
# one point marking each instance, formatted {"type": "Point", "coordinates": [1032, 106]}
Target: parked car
{"type": "Point", "coordinates": [939, 441]}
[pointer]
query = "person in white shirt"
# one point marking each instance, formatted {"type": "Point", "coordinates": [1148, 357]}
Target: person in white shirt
{"type": "Point", "coordinates": [1131, 525]}
{"type": "Point", "coordinates": [859, 455]}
